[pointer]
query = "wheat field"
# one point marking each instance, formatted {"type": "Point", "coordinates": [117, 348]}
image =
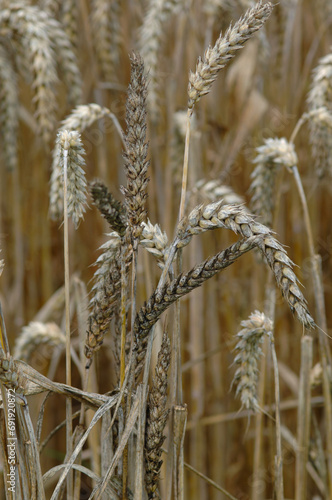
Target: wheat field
{"type": "Point", "coordinates": [165, 249]}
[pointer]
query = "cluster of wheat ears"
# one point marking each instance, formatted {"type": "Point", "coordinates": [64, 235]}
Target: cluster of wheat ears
{"type": "Point", "coordinates": [227, 395]}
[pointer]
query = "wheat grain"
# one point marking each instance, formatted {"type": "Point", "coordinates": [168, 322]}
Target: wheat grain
{"type": "Point", "coordinates": [215, 58]}
{"type": "Point", "coordinates": [207, 217]}
{"type": "Point", "coordinates": [135, 155]}
{"type": "Point", "coordinates": [248, 353]}
{"type": "Point", "coordinates": [156, 418]}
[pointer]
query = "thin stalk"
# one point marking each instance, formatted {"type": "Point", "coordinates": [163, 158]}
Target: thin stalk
{"type": "Point", "coordinates": [69, 426]}
{"type": "Point", "coordinates": [279, 483]}
{"type": "Point", "coordinates": [321, 316]}
{"type": "Point", "coordinates": [179, 422]}
{"type": "Point", "coordinates": [123, 314]}
{"type": "Point", "coordinates": [303, 420]}
{"type": "Point", "coordinates": [185, 167]}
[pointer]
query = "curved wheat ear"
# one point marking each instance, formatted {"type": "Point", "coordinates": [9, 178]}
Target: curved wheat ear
{"type": "Point", "coordinates": [319, 96]}
{"type": "Point", "coordinates": [110, 208]}
{"type": "Point", "coordinates": [215, 58]}
{"type": "Point", "coordinates": [135, 162]}
{"type": "Point", "coordinates": [248, 353]}
{"type": "Point", "coordinates": [156, 418]}
{"type": "Point", "coordinates": [82, 117]}
{"type": "Point", "coordinates": [273, 154]}
{"type": "Point", "coordinates": [8, 110]}
{"type": "Point", "coordinates": [34, 335]}
{"type": "Point", "coordinates": [215, 215]}
{"type": "Point", "coordinates": [28, 25]}
{"type": "Point", "coordinates": [162, 298]}
{"type": "Point", "coordinates": [70, 145]}
{"type": "Point", "coordinates": [105, 19]}
{"type": "Point", "coordinates": [211, 191]}
{"type": "Point", "coordinates": [151, 36]}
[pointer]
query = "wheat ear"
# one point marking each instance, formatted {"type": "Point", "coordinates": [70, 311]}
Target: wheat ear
{"type": "Point", "coordinates": [9, 109]}
{"type": "Point", "coordinates": [272, 155]}
{"type": "Point", "coordinates": [27, 23]}
{"type": "Point", "coordinates": [249, 351]}
{"type": "Point", "coordinates": [214, 215]}
{"type": "Point", "coordinates": [156, 418]}
{"type": "Point", "coordinates": [110, 208]}
{"type": "Point", "coordinates": [34, 335]}
{"type": "Point", "coordinates": [216, 57]}
{"type": "Point", "coordinates": [320, 135]}
{"type": "Point", "coordinates": [135, 155]}
{"type": "Point", "coordinates": [166, 295]}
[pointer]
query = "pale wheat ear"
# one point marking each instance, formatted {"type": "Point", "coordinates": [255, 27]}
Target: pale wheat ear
{"type": "Point", "coordinates": [9, 109]}
{"type": "Point", "coordinates": [248, 349]}
{"type": "Point", "coordinates": [319, 96]}
{"type": "Point", "coordinates": [107, 38]}
{"type": "Point", "coordinates": [272, 155]}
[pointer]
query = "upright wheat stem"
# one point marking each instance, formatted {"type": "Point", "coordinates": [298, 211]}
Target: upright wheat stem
{"type": "Point", "coordinates": [185, 167]}
{"type": "Point", "coordinates": [69, 427]}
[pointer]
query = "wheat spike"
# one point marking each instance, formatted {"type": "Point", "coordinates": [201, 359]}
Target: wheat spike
{"type": "Point", "coordinates": [156, 418]}
{"type": "Point", "coordinates": [135, 155]}
{"type": "Point", "coordinates": [110, 208]}
{"type": "Point", "coordinates": [274, 154]}
{"type": "Point", "coordinates": [27, 23]}
{"type": "Point", "coordinates": [8, 110]}
{"type": "Point", "coordinates": [215, 58]}
{"type": "Point", "coordinates": [69, 20]}
{"type": "Point", "coordinates": [248, 353]}
{"type": "Point", "coordinates": [161, 299]}
{"type": "Point", "coordinates": [234, 217]}
{"type": "Point", "coordinates": [69, 142]}
{"type": "Point", "coordinates": [105, 20]}
{"type": "Point", "coordinates": [34, 335]}
{"type": "Point", "coordinates": [320, 96]}
{"type": "Point", "coordinates": [150, 42]}
{"type": "Point", "coordinates": [211, 191]}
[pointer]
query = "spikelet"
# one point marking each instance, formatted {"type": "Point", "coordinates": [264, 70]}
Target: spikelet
{"type": "Point", "coordinates": [70, 144]}
{"type": "Point", "coordinates": [8, 110]}
{"type": "Point", "coordinates": [27, 24]}
{"type": "Point", "coordinates": [156, 418]}
{"type": "Point", "coordinates": [82, 117]}
{"type": "Point", "coordinates": [105, 20]}
{"type": "Point", "coordinates": [2, 265]}
{"type": "Point", "coordinates": [135, 155]}
{"type": "Point", "coordinates": [215, 58]}
{"type": "Point", "coordinates": [235, 218]}
{"type": "Point", "coordinates": [35, 335]}
{"type": "Point", "coordinates": [271, 156]}
{"type": "Point", "coordinates": [151, 37]}
{"type": "Point", "coordinates": [249, 351]}
{"type": "Point", "coordinates": [320, 96]}
{"type": "Point", "coordinates": [155, 241]}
